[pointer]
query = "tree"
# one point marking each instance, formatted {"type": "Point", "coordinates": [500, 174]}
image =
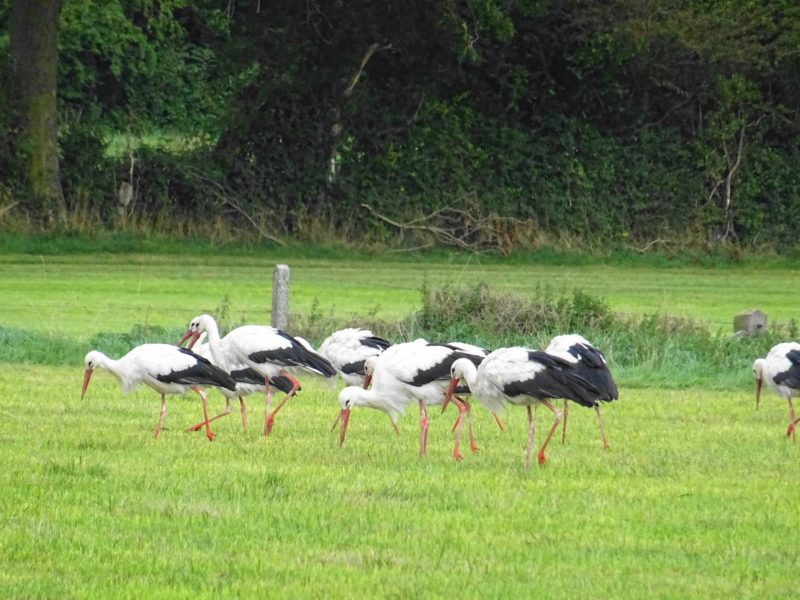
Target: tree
{"type": "Point", "coordinates": [34, 62]}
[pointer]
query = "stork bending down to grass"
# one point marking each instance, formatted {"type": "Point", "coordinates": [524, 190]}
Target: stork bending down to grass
{"type": "Point", "coordinates": [523, 377]}
{"type": "Point", "coordinates": [167, 369]}
{"type": "Point", "coordinates": [268, 351]}
{"type": "Point", "coordinates": [781, 370]}
{"type": "Point", "coordinates": [412, 371]}
{"type": "Point", "coordinates": [591, 365]}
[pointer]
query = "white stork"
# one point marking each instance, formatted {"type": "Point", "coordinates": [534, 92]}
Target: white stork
{"type": "Point", "coordinates": [167, 369]}
{"type": "Point", "coordinates": [405, 372]}
{"type": "Point", "coordinates": [591, 364]}
{"type": "Point", "coordinates": [268, 351]}
{"type": "Point", "coordinates": [248, 381]}
{"type": "Point", "coordinates": [525, 377]}
{"type": "Point", "coordinates": [348, 349]}
{"type": "Point", "coordinates": [781, 370]}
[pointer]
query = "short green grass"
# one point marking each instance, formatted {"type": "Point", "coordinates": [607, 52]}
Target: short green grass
{"type": "Point", "coordinates": [696, 497]}
{"type": "Point", "coordinates": [78, 295]}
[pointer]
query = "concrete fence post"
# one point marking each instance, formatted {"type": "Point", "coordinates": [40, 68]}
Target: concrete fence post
{"type": "Point", "coordinates": [280, 296]}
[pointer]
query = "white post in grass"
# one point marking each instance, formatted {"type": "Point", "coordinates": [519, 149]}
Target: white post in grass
{"type": "Point", "coordinates": [280, 296]}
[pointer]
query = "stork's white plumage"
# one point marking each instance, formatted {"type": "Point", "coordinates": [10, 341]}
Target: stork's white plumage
{"type": "Point", "coordinates": [521, 376]}
{"type": "Point", "coordinates": [167, 369]}
{"type": "Point", "coordinates": [247, 381]}
{"type": "Point", "coordinates": [592, 366]}
{"type": "Point", "coordinates": [412, 371]}
{"type": "Point", "coordinates": [781, 370]}
{"type": "Point", "coordinates": [268, 351]}
{"type": "Point", "coordinates": [348, 349]}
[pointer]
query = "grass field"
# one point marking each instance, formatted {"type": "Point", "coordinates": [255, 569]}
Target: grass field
{"type": "Point", "coordinates": [697, 496]}
{"type": "Point", "coordinates": [82, 294]}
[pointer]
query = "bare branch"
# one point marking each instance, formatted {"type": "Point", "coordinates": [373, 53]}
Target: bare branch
{"type": "Point", "coordinates": [263, 233]}
{"type": "Point", "coordinates": [7, 208]}
{"type": "Point", "coordinates": [219, 191]}
{"type": "Point", "coordinates": [458, 227]}
{"type": "Point", "coordinates": [364, 60]}
{"type": "Point", "coordinates": [649, 245]}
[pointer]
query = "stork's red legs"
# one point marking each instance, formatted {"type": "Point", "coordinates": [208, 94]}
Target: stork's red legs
{"type": "Point", "coordinates": [541, 456]}
{"type": "Point", "coordinates": [499, 422]}
{"type": "Point", "coordinates": [200, 393]}
{"type": "Point", "coordinates": [423, 429]}
{"type": "Point", "coordinates": [472, 445]}
{"type": "Point", "coordinates": [457, 426]}
{"type": "Point", "coordinates": [269, 417]}
{"type": "Point", "coordinates": [531, 429]}
{"type": "Point", "coordinates": [161, 416]}
{"type": "Point", "coordinates": [564, 430]}
{"type": "Point", "coordinates": [790, 431]}
{"type": "Point", "coordinates": [599, 424]}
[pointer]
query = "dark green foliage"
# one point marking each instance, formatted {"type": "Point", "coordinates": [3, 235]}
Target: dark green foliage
{"type": "Point", "coordinates": [587, 124]}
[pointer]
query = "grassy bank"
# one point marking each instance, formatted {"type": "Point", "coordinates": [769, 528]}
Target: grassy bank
{"type": "Point", "coordinates": [81, 294]}
{"type": "Point", "coordinates": [695, 497]}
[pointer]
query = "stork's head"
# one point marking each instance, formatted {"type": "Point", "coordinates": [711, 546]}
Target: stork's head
{"type": "Point", "coordinates": [369, 369]}
{"type": "Point", "coordinates": [197, 327]}
{"type": "Point", "coordinates": [758, 373]}
{"type": "Point", "coordinates": [93, 359]}
{"type": "Point", "coordinates": [353, 396]}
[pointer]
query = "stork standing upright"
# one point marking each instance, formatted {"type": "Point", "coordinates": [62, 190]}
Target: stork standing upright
{"type": "Point", "coordinates": [268, 351]}
{"type": "Point", "coordinates": [167, 369]}
{"type": "Point", "coordinates": [781, 370]}
{"type": "Point", "coordinates": [412, 371]}
{"type": "Point", "coordinates": [591, 365]}
{"type": "Point", "coordinates": [348, 349]}
{"type": "Point", "coordinates": [523, 377]}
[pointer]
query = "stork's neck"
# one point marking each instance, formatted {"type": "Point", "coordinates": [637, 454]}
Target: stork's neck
{"type": "Point", "coordinates": [370, 399]}
{"type": "Point", "coordinates": [211, 329]}
{"type": "Point", "coordinates": [109, 364]}
{"type": "Point", "coordinates": [118, 369]}
{"type": "Point", "coordinates": [469, 372]}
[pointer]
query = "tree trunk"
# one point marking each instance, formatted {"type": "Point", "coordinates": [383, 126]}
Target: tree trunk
{"type": "Point", "coordinates": [34, 53]}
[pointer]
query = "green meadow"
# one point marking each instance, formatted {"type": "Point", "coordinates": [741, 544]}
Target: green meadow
{"type": "Point", "coordinates": [81, 294]}
{"type": "Point", "coordinates": [696, 496]}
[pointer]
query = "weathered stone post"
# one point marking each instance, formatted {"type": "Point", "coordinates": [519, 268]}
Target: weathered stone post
{"type": "Point", "coordinates": [749, 323]}
{"type": "Point", "coordinates": [280, 296]}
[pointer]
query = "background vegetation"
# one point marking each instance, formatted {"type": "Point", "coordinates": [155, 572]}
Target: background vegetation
{"type": "Point", "coordinates": [595, 124]}
{"type": "Point", "coordinates": [696, 496]}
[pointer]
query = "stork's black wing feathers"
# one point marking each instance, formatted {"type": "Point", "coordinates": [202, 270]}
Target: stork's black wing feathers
{"type": "Point", "coordinates": [376, 342]}
{"type": "Point", "coordinates": [353, 368]}
{"type": "Point", "coordinates": [252, 376]}
{"type": "Point", "coordinates": [203, 372]}
{"type": "Point", "coordinates": [592, 366]}
{"type": "Point", "coordinates": [296, 355]}
{"type": "Point", "coordinates": [441, 370]}
{"type": "Point", "coordinates": [588, 354]}
{"type": "Point", "coordinates": [559, 379]}
{"type": "Point", "coordinates": [282, 383]}
{"type": "Point", "coordinates": [791, 376]}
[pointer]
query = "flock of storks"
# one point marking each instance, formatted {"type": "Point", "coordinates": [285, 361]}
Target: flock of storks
{"type": "Point", "coordinates": [387, 377]}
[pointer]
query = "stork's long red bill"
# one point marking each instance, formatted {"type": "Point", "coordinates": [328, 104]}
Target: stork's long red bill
{"type": "Point", "coordinates": [87, 375]}
{"type": "Point", "coordinates": [345, 414]}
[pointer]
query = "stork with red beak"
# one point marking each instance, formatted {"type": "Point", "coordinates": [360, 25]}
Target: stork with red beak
{"type": "Point", "coordinates": [270, 352]}
{"type": "Point", "coordinates": [167, 369]}
{"type": "Point", "coordinates": [781, 370]}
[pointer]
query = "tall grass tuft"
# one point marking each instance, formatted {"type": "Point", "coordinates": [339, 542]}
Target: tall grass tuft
{"type": "Point", "coordinates": [48, 348]}
{"type": "Point", "coordinates": [644, 350]}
